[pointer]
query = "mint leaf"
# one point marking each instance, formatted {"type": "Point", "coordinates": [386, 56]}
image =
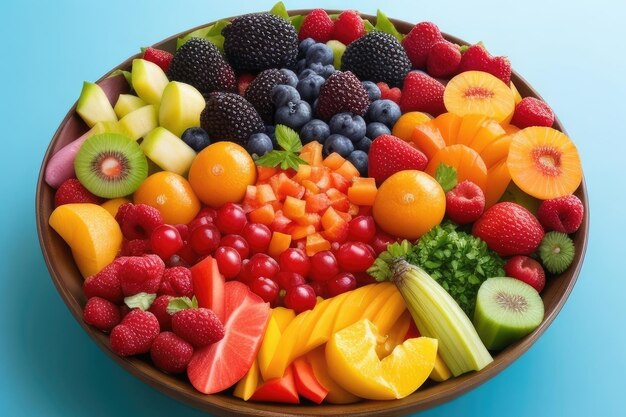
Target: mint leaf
{"type": "Point", "coordinates": [280, 10]}
{"type": "Point", "coordinates": [141, 300]}
{"type": "Point", "coordinates": [383, 24]}
{"type": "Point", "coordinates": [181, 303]}
{"type": "Point", "coordinates": [446, 177]}
{"type": "Point", "coordinates": [296, 21]}
{"type": "Point", "coordinates": [288, 139]}
{"type": "Point", "coordinates": [271, 159]}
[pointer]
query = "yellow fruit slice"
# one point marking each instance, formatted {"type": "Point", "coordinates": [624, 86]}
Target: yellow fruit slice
{"type": "Point", "coordinates": [440, 371]}
{"type": "Point", "coordinates": [336, 394]}
{"type": "Point", "coordinates": [470, 125]}
{"type": "Point", "coordinates": [283, 317]}
{"type": "Point", "coordinates": [249, 383]}
{"type": "Point", "coordinates": [389, 313]}
{"type": "Point", "coordinates": [488, 132]}
{"type": "Point", "coordinates": [113, 204]}
{"type": "Point", "coordinates": [448, 124]}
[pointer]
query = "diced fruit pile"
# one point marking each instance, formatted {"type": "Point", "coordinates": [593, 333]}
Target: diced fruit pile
{"type": "Point", "coordinates": [233, 210]}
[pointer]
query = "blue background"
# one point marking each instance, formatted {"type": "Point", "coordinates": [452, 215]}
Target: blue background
{"type": "Point", "coordinates": [571, 53]}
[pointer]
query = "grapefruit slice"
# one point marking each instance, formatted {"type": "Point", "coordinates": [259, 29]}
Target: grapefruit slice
{"type": "Point", "coordinates": [220, 365]}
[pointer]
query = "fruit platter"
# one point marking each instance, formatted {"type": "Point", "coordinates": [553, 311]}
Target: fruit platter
{"type": "Point", "coordinates": [313, 212]}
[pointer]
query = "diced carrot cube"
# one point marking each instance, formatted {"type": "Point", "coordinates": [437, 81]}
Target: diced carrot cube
{"type": "Point", "coordinates": [312, 153]}
{"type": "Point", "coordinates": [317, 203]}
{"type": "Point", "coordinates": [338, 200]}
{"type": "Point", "coordinates": [363, 191]}
{"type": "Point", "coordinates": [348, 171]}
{"type": "Point", "coordinates": [338, 232]}
{"type": "Point", "coordinates": [345, 216]}
{"type": "Point", "coordinates": [310, 186]}
{"type": "Point", "coordinates": [264, 215]}
{"type": "Point", "coordinates": [264, 173]}
{"type": "Point", "coordinates": [250, 202]}
{"type": "Point", "coordinates": [330, 218]}
{"type": "Point", "coordinates": [299, 232]}
{"type": "Point", "coordinates": [284, 186]}
{"type": "Point", "coordinates": [265, 194]}
{"type": "Point", "coordinates": [353, 210]}
{"type": "Point", "coordinates": [310, 219]}
{"type": "Point", "coordinates": [324, 182]}
{"type": "Point", "coordinates": [339, 182]}
{"type": "Point", "coordinates": [317, 173]}
{"type": "Point", "coordinates": [278, 244]}
{"type": "Point", "coordinates": [280, 223]}
{"type": "Point", "coordinates": [293, 207]}
{"type": "Point", "coordinates": [303, 173]}
{"type": "Point", "coordinates": [334, 161]}
{"type": "Point", "coordinates": [316, 243]}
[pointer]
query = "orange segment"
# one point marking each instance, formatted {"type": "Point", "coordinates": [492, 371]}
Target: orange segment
{"type": "Point", "coordinates": [469, 165]}
{"type": "Point", "coordinates": [172, 195]}
{"type": "Point", "coordinates": [498, 179]}
{"type": "Point", "coordinates": [488, 132]}
{"type": "Point", "coordinates": [427, 138]}
{"type": "Point", "coordinates": [403, 128]}
{"type": "Point", "coordinates": [478, 92]}
{"type": "Point", "coordinates": [448, 124]}
{"type": "Point", "coordinates": [544, 163]}
{"type": "Point", "coordinates": [470, 125]}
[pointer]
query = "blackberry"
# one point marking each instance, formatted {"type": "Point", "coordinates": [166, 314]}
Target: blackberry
{"type": "Point", "coordinates": [198, 62]}
{"type": "Point", "coordinates": [228, 116]}
{"type": "Point", "coordinates": [377, 57]}
{"type": "Point", "coordinates": [259, 92]}
{"type": "Point", "coordinates": [342, 92]}
{"type": "Point", "coordinates": [259, 41]}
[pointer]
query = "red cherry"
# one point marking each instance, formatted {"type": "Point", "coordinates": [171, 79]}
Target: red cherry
{"type": "Point", "coordinates": [230, 218]}
{"type": "Point", "coordinates": [165, 241]}
{"type": "Point", "coordinates": [228, 261]}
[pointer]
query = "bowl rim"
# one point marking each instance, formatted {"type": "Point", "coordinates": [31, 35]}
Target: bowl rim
{"type": "Point", "coordinates": [228, 405]}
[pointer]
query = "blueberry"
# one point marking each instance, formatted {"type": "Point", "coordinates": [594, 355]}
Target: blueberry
{"type": "Point", "coordinates": [270, 130]}
{"type": "Point", "coordinates": [375, 129]}
{"type": "Point", "coordinates": [292, 78]}
{"type": "Point", "coordinates": [314, 130]}
{"type": "Point", "coordinates": [307, 72]}
{"type": "Point", "coordinates": [283, 94]}
{"type": "Point", "coordinates": [309, 87]}
{"type": "Point", "coordinates": [338, 143]}
{"type": "Point", "coordinates": [304, 46]}
{"type": "Point", "coordinates": [372, 90]}
{"type": "Point", "coordinates": [294, 115]}
{"type": "Point", "coordinates": [349, 125]}
{"type": "Point", "coordinates": [259, 144]}
{"type": "Point", "coordinates": [300, 65]}
{"type": "Point", "coordinates": [383, 111]}
{"type": "Point", "coordinates": [320, 53]}
{"type": "Point", "coordinates": [322, 70]}
{"type": "Point", "coordinates": [363, 145]}
{"type": "Point", "coordinates": [359, 160]}
{"type": "Point", "coordinates": [197, 138]}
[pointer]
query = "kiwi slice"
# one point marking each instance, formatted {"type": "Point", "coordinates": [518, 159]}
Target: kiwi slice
{"type": "Point", "coordinates": [507, 309]}
{"type": "Point", "coordinates": [111, 165]}
{"type": "Point", "coordinates": [556, 251]}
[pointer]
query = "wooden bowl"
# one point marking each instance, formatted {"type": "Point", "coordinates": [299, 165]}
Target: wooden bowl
{"type": "Point", "coordinates": [68, 282]}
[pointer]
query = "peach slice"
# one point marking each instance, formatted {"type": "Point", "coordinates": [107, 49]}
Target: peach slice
{"type": "Point", "coordinates": [91, 232]}
{"type": "Point", "coordinates": [448, 124]}
{"type": "Point", "coordinates": [470, 125]}
{"type": "Point", "coordinates": [403, 128]}
{"type": "Point", "coordinates": [544, 163]}
{"type": "Point", "coordinates": [488, 132]}
{"type": "Point", "coordinates": [478, 92]}
{"type": "Point", "coordinates": [427, 138]}
{"type": "Point", "coordinates": [467, 162]}
{"type": "Point", "coordinates": [496, 150]}
{"type": "Point", "coordinates": [498, 179]}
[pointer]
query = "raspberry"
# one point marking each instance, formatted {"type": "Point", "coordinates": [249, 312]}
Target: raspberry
{"type": "Point", "coordinates": [158, 56]}
{"type": "Point", "coordinates": [317, 25]}
{"type": "Point", "coordinates": [159, 309]}
{"type": "Point", "coordinates": [348, 27]}
{"type": "Point", "coordinates": [135, 333]}
{"type": "Point", "coordinates": [101, 313]}
{"type": "Point", "coordinates": [386, 93]}
{"type": "Point", "coordinates": [176, 282]}
{"type": "Point", "coordinates": [563, 214]}
{"type": "Point", "coordinates": [418, 42]}
{"type": "Point", "coordinates": [72, 191]}
{"type": "Point", "coordinates": [199, 326]}
{"type": "Point", "coordinates": [106, 283]}
{"type": "Point", "coordinates": [532, 112]}
{"type": "Point", "coordinates": [443, 59]}
{"type": "Point", "coordinates": [141, 274]}
{"type": "Point", "coordinates": [137, 221]}
{"type": "Point", "coordinates": [465, 203]}
{"type": "Point", "coordinates": [170, 353]}
{"type": "Point", "coordinates": [135, 247]}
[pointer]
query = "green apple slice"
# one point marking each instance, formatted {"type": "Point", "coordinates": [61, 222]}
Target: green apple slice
{"type": "Point", "coordinates": [149, 80]}
{"type": "Point", "coordinates": [93, 105]}
{"type": "Point", "coordinates": [168, 151]}
{"type": "Point", "coordinates": [181, 105]}
{"type": "Point", "coordinates": [140, 122]}
{"type": "Point", "coordinates": [126, 103]}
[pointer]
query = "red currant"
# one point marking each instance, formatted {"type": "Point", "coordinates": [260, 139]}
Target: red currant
{"type": "Point", "coordinates": [354, 257]}
{"type": "Point", "coordinates": [258, 236]}
{"type": "Point", "coordinates": [323, 266]}
{"type": "Point", "coordinates": [188, 254]}
{"type": "Point", "coordinates": [362, 229]}
{"type": "Point", "coordinates": [205, 239]}
{"type": "Point", "coordinates": [340, 283]}
{"type": "Point", "coordinates": [244, 272]}
{"type": "Point", "coordinates": [288, 279]}
{"type": "Point", "coordinates": [300, 298]}
{"type": "Point", "coordinates": [209, 212]}
{"type": "Point", "coordinates": [183, 229]}
{"type": "Point", "coordinates": [238, 243]}
{"type": "Point", "coordinates": [320, 288]}
{"type": "Point", "coordinates": [230, 218]}
{"type": "Point", "coordinates": [380, 241]}
{"type": "Point", "coordinates": [199, 221]}
{"type": "Point", "coordinates": [264, 288]}
{"type": "Point", "coordinates": [228, 261]}
{"type": "Point", "coordinates": [262, 265]}
{"type": "Point", "coordinates": [165, 241]}
{"type": "Point", "coordinates": [295, 260]}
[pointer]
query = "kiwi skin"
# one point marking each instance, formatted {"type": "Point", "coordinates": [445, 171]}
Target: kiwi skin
{"type": "Point", "coordinates": [556, 251]}
{"type": "Point", "coordinates": [507, 309]}
{"type": "Point", "coordinates": [124, 159]}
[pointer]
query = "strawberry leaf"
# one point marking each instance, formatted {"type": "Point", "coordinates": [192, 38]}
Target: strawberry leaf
{"type": "Point", "coordinates": [181, 303]}
{"type": "Point", "coordinates": [141, 300]}
{"type": "Point", "coordinates": [446, 177]}
{"type": "Point", "coordinates": [296, 21]}
{"type": "Point", "coordinates": [280, 10]}
{"type": "Point", "coordinates": [368, 26]}
{"type": "Point", "coordinates": [288, 139]}
{"type": "Point", "coordinates": [383, 24]}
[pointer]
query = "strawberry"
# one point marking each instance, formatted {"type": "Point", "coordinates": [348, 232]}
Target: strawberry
{"type": "Point", "coordinates": [135, 247]}
{"type": "Point", "coordinates": [141, 274]}
{"type": "Point", "coordinates": [199, 326]}
{"type": "Point", "coordinates": [527, 270]}
{"type": "Point", "coordinates": [390, 154]}
{"type": "Point", "coordinates": [176, 282]}
{"type": "Point", "coordinates": [563, 214]}
{"type": "Point", "coordinates": [317, 25]}
{"type": "Point", "coordinates": [138, 221]}
{"type": "Point", "coordinates": [443, 59]}
{"type": "Point", "coordinates": [532, 112]}
{"type": "Point", "coordinates": [423, 93]}
{"type": "Point", "coordinates": [106, 283]}
{"type": "Point", "coordinates": [72, 191]}
{"type": "Point", "coordinates": [394, 94]}
{"type": "Point", "coordinates": [170, 353]}
{"type": "Point", "coordinates": [135, 333]}
{"type": "Point", "coordinates": [348, 27]}
{"type": "Point", "coordinates": [158, 56]}
{"type": "Point", "coordinates": [159, 309]}
{"type": "Point", "coordinates": [465, 203]}
{"type": "Point", "coordinates": [243, 81]}
{"type": "Point", "coordinates": [418, 42]}
{"type": "Point", "coordinates": [101, 313]}
{"type": "Point", "coordinates": [509, 229]}
{"type": "Point", "coordinates": [476, 58]}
